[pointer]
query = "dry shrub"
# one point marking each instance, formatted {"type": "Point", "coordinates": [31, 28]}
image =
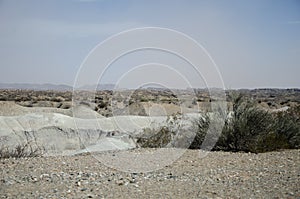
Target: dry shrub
{"type": "Point", "coordinates": [20, 151]}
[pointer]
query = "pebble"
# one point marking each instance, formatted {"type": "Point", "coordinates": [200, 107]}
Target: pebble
{"type": "Point", "coordinates": [120, 182]}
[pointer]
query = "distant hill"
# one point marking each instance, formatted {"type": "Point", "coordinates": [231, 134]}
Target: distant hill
{"type": "Point", "coordinates": [60, 87]}
{"type": "Point", "coordinates": [98, 87]}
{"type": "Point", "coordinates": [56, 87]}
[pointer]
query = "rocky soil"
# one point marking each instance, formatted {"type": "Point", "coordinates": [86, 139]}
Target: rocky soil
{"type": "Point", "coordinates": [218, 175]}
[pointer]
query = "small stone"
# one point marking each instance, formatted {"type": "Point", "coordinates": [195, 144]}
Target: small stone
{"type": "Point", "coordinates": [132, 180]}
{"type": "Point", "coordinates": [120, 182]}
{"type": "Point", "coordinates": [34, 179]}
{"type": "Point", "coordinates": [83, 189]}
{"type": "Point", "coordinates": [45, 176]}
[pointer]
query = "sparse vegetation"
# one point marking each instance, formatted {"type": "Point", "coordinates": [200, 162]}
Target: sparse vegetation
{"type": "Point", "coordinates": [253, 129]}
{"type": "Point", "coordinates": [249, 128]}
{"type": "Point", "coordinates": [252, 126]}
{"type": "Point", "coordinates": [153, 138]}
{"type": "Point", "coordinates": [20, 151]}
{"type": "Point", "coordinates": [163, 136]}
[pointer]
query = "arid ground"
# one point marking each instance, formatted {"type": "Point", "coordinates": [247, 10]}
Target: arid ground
{"type": "Point", "coordinates": [218, 175]}
{"type": "Point", "coordinates": [72, 166]}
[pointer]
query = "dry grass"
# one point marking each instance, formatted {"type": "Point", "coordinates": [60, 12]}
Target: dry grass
{"type": "Point", "coordinates": [20, 151]}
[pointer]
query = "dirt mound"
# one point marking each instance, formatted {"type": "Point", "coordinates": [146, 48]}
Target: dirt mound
{"type": "Point", "coordinates": [8, 108]}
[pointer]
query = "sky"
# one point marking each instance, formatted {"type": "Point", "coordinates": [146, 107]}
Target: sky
{"type": "Point", "coordinates": [254, 43]}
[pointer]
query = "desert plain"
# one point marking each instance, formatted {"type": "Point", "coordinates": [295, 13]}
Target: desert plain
{"type": "Point", "coordinates": [80, 149]}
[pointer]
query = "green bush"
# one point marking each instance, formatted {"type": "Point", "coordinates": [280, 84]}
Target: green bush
{"type": "Point", "coordinates": [200, 127]}
{"type": "Point", "coordinates": [248, 128]}
{"type": "Point", "coordinates": [287, 126]}
{"type": "Point", "coordinates": [252, 129]}
{"type": "Point", "coordinates": [270, 142]}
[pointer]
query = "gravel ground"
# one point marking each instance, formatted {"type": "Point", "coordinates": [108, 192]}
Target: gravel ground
{"type": "Point", "coordinates": [218, 175]}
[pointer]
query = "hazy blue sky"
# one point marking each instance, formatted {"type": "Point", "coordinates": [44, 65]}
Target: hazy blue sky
{"type": "Point", "coordinates": [254, 43]}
